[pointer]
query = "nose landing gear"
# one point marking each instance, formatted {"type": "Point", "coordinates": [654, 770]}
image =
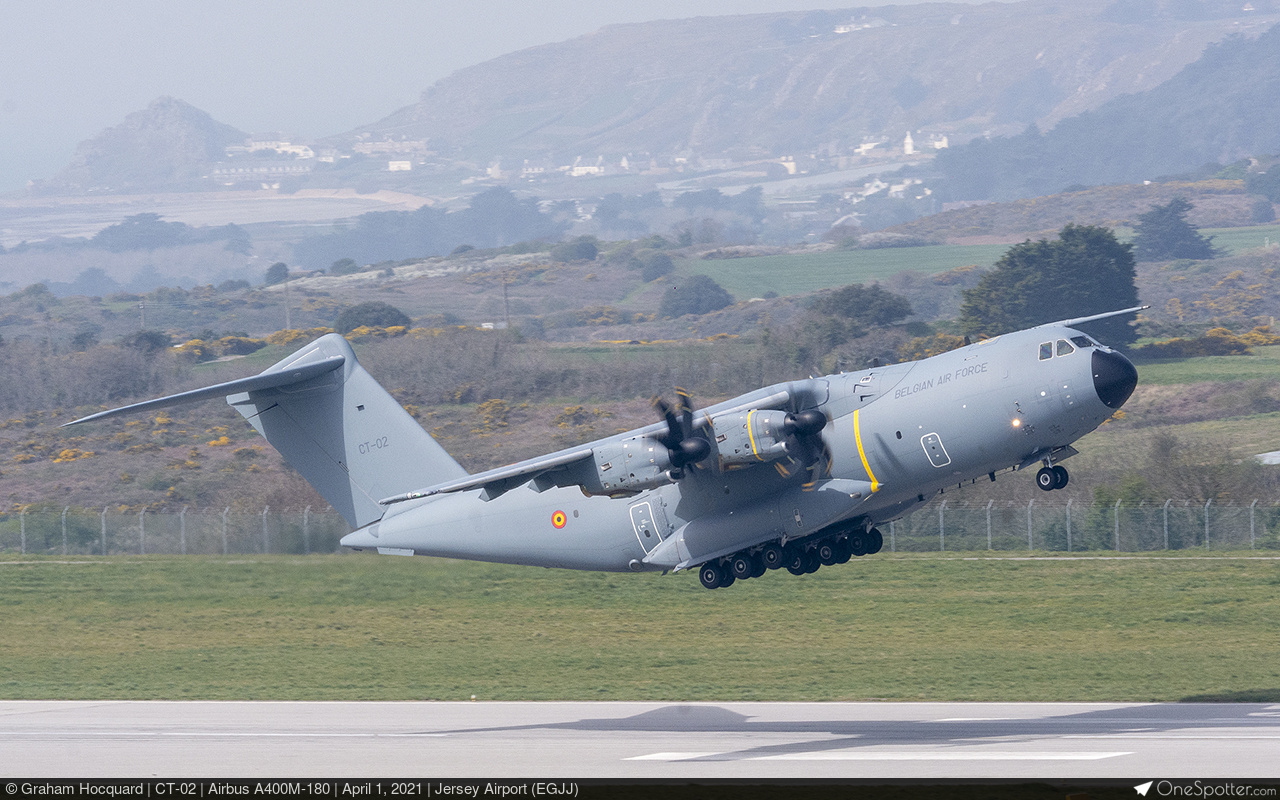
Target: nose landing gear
{"type": "Point", "coordinates": [1050, 478]}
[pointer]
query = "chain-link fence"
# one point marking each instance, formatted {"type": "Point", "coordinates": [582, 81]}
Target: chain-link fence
{"type": "Point", "coordinates": [1078, 527]}
{"type": "Point", "coordinates": [211, 531]}
{"type": "Point", "coordinates": [1037, 525]}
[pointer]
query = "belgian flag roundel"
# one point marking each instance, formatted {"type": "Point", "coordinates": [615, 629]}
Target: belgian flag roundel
{"type": "Point", "coordinates": [558, 519]}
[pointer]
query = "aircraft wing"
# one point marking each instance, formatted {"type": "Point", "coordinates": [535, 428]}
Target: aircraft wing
{"type": "Point", "coordinates": [502, 479]}
{"type": "Point", "coordinates": [556, 469]}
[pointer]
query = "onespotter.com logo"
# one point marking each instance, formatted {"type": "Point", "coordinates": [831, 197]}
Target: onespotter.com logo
{"type": "Point", "coordinates": [1201, 789]}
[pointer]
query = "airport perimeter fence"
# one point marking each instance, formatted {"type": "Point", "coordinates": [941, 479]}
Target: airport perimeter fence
{"type": "Point", "coordinates": [72, 531]}
{"type": "Point", "coordinates": [1080, 527]}
{"type": "Point", "coordinates": [940, 526]}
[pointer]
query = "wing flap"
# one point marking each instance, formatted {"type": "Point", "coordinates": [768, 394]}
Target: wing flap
{"type": "Point", "coordinates": [497, 481]}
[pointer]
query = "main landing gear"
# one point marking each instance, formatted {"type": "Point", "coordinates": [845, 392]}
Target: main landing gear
{"type": "Point", "coordinates": [1050, 478]}
{"type": "Point", "coordinates": [798, 558]}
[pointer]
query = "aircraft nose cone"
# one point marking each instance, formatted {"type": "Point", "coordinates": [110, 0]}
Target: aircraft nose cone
{"type": "Point", "coordinates": [1114, 378]}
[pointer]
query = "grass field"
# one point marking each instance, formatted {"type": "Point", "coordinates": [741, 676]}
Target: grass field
{"type": "Point", "coordinates": [902, 627]}
{"type": "Point", "coordinates": [1238, 240]}
{"type": "Point", "coordinates": [1262, 364]}
{"type": "Point", "coordinates": [808, 272]}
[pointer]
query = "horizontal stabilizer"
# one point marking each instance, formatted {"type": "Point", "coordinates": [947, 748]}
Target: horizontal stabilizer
{"type": "Point", "coordinates": [255, 383]}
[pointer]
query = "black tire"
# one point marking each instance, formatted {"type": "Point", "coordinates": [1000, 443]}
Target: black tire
{"type": "Point", "coordinates": [793, 558]}
{"type": "Point", "coordinates": [760, 569]}
{"type": "Point", "coordinates": [1046, 479]}
{"type": "Point", "coordinates": [742, 566]}
{"type": "Point", "coordinates": [827, 552]}
{"type": "Point", "coordinates": [728, 580]}
{"type": "Point", "coordinates": [859, 543]}
{"type": "Point", "coordinates": [771, 556]}
{"type": "Point", "coordinates": [843, 551]}
{"type": "Point", "coordinates": [811, 562]}
{"type": "Point", "coordinates": [712, 575]}
{"type": "Point", "coordinates": [876, 541]}
{"type": "Point", "coordinates": [1062, 478]}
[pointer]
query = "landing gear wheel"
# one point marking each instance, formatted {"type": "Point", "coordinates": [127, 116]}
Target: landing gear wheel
{"type": "Point", "coordinates": [713, 576]}
{"type": "Point", "coordinates": [876, 541]}
{"type": "Point", "coordinates": [742, 566]}
{"type": "Point", "coordinates": [793, 559]}
{"type": "Point", "coordinates": [811, 562]}
{"type": "Point", "coordinates": [771, 556]}
{"type": "Point", "coordinates": [1046, 479]}
{"type": "Point", "coordinates": [1061, 476]}
{"type": "Point", "coordinates": [859, 544]}
{"type": "Point", "coordinates": [827, 552]}
{"type": "Point", "coordinates": [843, 551]}
{"type": "Point", "coordinates": [760, 568]}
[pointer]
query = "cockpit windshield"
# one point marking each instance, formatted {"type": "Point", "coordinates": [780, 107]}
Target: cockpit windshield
{"type": "Point", "coordinates": [1084, 341]}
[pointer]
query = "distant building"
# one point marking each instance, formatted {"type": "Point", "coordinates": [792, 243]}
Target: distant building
{"type": "Point", "coordinates": [578, 169]}
{"type": "Point", "coordinates": [908, 145]}
{"type": "Point", "coordinates": [388, 147]}
{"type": "Point", "coordinates": [399, 166]}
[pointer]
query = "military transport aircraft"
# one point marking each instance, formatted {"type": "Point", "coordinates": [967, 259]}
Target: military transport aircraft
{"type": "Point", "coordinates": [796, 475]}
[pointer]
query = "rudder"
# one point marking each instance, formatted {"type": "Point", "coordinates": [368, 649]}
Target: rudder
{"type": "Point", "coordinates": [345, 434]}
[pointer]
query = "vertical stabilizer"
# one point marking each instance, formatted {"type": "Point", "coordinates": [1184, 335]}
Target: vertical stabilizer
{"type": "Point", "coordinates": [350, 439]}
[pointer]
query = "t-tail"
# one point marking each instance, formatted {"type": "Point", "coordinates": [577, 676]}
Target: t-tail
{"type": "Point", "coordinates": [333, 423]}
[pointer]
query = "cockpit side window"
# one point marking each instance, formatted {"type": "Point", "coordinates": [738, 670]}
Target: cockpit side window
{"type": "Point", "coordinates": [1065, 348]}
{"type": "Point", "coordinates": [1046, 351]}
{"type": "Point", "coordinates": [1084, 341]}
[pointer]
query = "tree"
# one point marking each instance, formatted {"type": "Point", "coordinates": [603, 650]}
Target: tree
{"type": "Point", "coordinates": [654, 264]}
{"type": "Point", "coordinates": [1164, 234]}
{"type": "Point", "coordinates": [277, 273]}
{"type": "Point", "coordinates": [344, 266]}
{"type": "Point", "coordinates": [1085, 271]}
{"type": "Point", "coordinates": [583, 248]}
{"type": "Point", "coordinates": [698, 294]}
{"type": "Point", "coordinates": [375, 314]}
{"type": "Point", "coordinates": [867, 304]}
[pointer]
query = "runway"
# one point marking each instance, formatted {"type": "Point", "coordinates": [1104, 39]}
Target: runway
{"type": "Point", "coordinates": [638, 740]}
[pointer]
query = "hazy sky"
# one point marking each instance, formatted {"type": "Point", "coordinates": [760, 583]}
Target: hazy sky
{"type": "Point", "coordinates": [69, 68]}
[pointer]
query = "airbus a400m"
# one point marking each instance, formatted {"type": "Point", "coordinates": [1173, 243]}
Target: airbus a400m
{"type": "Point", "coordinates": [796, 475]}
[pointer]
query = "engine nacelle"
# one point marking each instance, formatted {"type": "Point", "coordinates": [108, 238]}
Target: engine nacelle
{"type": "Point", "coordinates": [750, 437]}
{"type": "Point", "coordinates": [630, 466]}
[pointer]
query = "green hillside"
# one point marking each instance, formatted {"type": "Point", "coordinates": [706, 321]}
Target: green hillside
{"type": "Point", "coordinates": [809, 272]}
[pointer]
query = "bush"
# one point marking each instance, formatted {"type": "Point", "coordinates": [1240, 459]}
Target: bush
{"type": "Point", "coordinates": [374, 314]}
{"type": "Point", "coordinates": [344, 266]}
{"type": "Point", "coordinates": [654, 264]}
{"type": "Point", "coordinates": [277, 273]}
{"type": "Point", "coordinates": [698, 294]}
{"type": "Point", "coordinates": [583, 248]}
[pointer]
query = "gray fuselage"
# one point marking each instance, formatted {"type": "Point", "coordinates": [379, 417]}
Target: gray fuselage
{"type": "Point", "coordinates": [895, 436]}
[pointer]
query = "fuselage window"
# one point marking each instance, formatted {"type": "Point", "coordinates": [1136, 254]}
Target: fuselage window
{"type": "Point", "coordinates": [1065, 348]}
{"type": "Point", "coordinates": [1046, 351]}
{"type": "Point", "coordinates": [1084, 341]}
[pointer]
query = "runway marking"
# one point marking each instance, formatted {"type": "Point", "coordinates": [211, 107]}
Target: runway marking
{"type": "Point", "coordinates": [215, 735]}
{"type": "Point", "coordinates": [955, 755]}
{"type": "Point", "coordinates": [898, 755]}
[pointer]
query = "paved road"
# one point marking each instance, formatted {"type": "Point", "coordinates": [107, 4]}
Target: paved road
{"type": "Point", "coordinates": [582, 740]}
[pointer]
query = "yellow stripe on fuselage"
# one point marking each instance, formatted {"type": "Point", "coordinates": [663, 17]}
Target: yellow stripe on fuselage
{"type": "Point", "coordinates": [857, 437]}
